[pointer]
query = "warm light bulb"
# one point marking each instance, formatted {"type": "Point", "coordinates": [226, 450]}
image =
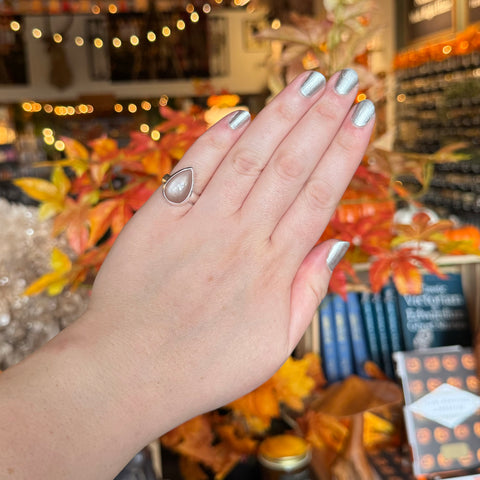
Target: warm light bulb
{"type": "Point", "coordinates": [60, 146]}
{"type": "Point", "coordinates": [151, 37]}
{"type": "Point", "coordinates": [144, 128]}
{"type": "Point", "coordinates": [194, 17]}
{"type": "Point", "coordinates": [155, 135]}
{"type": "Point", "coordinates": [132, 108]}
{"type": "Point", "coordinates": [190, 8]}
{"type": "Point", "coordinates": [79, 41]}
{"type": "Point", "coordinates": [47, 132]}
{"type": "Point", "coordinates": [116, 42]}
{"type": "Point", "coordinates": [134, 40]}
{"type": "Point", "coordinates": [37, 33]}
{"type": "Point", "coordinates": [98, 42]}
{"type": "Point", "coordinates": [57, 38]}
{"type": "Point", "coordinates": [112, 8]}
{"type": "Point", "coordinates": [276, 24]}
{"type": "Point", "coordinates": [180, 24]}
{"type": "Point", "coordinates": [206, 8]}
{"type": "Point", "coordinates": [166, 32]}
{"type": "Point", "coordinates": [146, 105]}
{"type": "Point", "coordinates": [118, 107]}
{"type": "Point", "coordinates": [14, 25]}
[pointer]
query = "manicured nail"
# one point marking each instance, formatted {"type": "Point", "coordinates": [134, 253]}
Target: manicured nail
{"type": "Point", "coordinates": [314, 82]}
{"type": "Point", "coordinates": [336, 253]}
{"type": "Point", "coordinates": [238, 119]}
{"type": "Point", "coordinates": [346, 81]}
{"type": "Point", "coordinates": [363, 112]}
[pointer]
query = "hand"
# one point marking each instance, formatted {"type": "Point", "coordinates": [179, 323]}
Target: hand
{"type": "Point", "coordinates": [220, 290]}
{"type": "Point", "coordinates": [199, 303]}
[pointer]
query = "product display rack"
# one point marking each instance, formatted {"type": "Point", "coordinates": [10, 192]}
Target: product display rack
{"type": "Point", "coordinates": [437, 105]}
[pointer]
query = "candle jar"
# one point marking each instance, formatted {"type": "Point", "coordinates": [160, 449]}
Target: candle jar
{"type": "Point", "coordinates": [285, 457]}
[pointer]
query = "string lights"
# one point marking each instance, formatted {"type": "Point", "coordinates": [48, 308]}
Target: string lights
{"type": "Point", "coordinates": [134, 40]}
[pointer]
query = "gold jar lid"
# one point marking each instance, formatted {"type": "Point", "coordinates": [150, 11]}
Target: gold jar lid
{"type": "Point", "coordinates": [284, 452]}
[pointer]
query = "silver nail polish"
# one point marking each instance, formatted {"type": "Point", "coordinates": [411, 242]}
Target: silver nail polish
{"type": "Point", "coordinates": [363, 112]}
{"type": "Point", "coordinates": [238, 119]}
{"type": "Point", "coordinates": [346, 81]}
{"type": "Point", "coordinates": [314, 82]}
{"type": "Point", "coordinates": [336, 253]}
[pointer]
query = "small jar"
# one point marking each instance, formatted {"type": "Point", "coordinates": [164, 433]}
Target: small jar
{"type": "Point", "coordinates": [285, 457]}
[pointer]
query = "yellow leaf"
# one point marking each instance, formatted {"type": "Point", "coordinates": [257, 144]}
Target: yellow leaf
{"type": "Point", "coordinates": [61, 181]}
{"type": "Point", "coordinates": [37, 188]}
{"type": "Point", "coordinates": [57, 287]}
{"type": "Point", "coordinates": [49, 209]}
{"type": "Point", "coordinates": [60, 261]}
{"type": "Point", "coordinates": [42, 283]}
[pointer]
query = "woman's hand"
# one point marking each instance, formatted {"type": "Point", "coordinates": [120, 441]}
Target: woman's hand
{"type": "Point", "coordinates": [199, 303]}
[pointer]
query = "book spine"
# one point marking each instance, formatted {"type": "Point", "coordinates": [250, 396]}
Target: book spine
{"type": "Point", "coordinates": [357, 333]}
{"type": "Point", "coordinates": [344, 346]}
{"type": "Point", "coordinates": [328, 340]}
{"type": "Point", "coordinates": [392, 317]}
{"type": "Point", "coordinates": [385, 347]}
{"type": "Point", "coordinates": [368, 317]}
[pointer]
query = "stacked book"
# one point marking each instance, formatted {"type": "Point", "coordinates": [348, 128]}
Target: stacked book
{"type": "Point", "coordinates": [367, 326]}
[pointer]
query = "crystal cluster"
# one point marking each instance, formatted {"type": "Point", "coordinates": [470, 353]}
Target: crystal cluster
{"type": "Point", "coordinates": [26, 323]}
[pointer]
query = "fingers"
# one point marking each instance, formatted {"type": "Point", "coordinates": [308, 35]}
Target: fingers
{"type": "Point", "coordinates": [309, 214]}
{"type": "Point", "coordinates": [298, 154]}
{"type": "Point", "coordinates": [205, 155]}
{"type": "Point", "coordinates": [311, 284]}
{"type": "Point", "coordinates": [248, 157]}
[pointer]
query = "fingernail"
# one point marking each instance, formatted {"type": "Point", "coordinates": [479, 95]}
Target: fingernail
{"type": "Point", "coordinates": [336, 253]}
{"type": "Point", "coordinates": [346, 81]}
{"type": "Point", "coordinates": [238, 119]}
{"type": "Point", "coordinates": [314, 82]}
{"type": "Point", "coordinates": [363, 112]}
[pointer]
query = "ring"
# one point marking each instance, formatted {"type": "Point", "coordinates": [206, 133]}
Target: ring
{"type": "Point", "coordinates": [178, 187]}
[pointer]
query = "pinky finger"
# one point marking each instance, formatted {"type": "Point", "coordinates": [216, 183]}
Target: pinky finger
{"type": "Point", "coordinates": [311, 285]}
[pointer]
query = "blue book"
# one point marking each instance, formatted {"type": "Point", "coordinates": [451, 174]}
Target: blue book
{"type": "Point", "coordinates": [328, 340]}
{"type": "Point", "coordinates": [357, 333]}
{"type": "Point", "coordinates": [368, 317]}
{"type": "Point", "coordinates": [390, 304]}
{"type": "Point", "coordinates": [383, 337]}
{"type": "Point", "coordinates": [438, 316]}
{"type": "Point", "coordinates": [342, 329]}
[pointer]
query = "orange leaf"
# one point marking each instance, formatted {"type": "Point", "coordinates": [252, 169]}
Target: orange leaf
{"type": "Point", "coordinates": [407, 278]}
{"type": "Point", "coordinates": [100, 219]}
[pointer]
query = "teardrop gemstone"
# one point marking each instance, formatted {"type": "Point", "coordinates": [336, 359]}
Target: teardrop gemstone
{"type": "Point", "coordinates": [178, 188]}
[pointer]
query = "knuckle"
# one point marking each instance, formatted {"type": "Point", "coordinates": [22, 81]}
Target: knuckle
{"type": "Point", "coordinates": [319, 195]}
{"type": "Point", "coordinates": [286, 111]}
{"type": "Point", "coordinates": [247, 162]}
{"type": "Point", "coordinates": [289, 165]}
{"type": "Point", "coordinates": [319, 291]}
{"type": "Point", "coordinates": [214, 142]}
{"type": "Point", "coordinates": [328, 111]}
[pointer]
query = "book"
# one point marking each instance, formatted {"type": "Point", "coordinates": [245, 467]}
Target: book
{"type": "Point", "coordinates": [357, 333]}
{"type": "Point", "coordinates": [328, 341]}
{"type": "Point", "coordinates": [441, 412]}
{"type": "Point", "coordinates": [438, 316]}
{"type": "Point", "coordinates": [368, 317]}
{"type": "Point", "coordinates": [390, 304]}
{"type": "Point", "coordinates": [342, 331]}
{"type": "Point", "coordinates": [383, 337]}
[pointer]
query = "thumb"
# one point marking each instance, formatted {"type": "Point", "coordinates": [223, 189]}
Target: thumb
{"type": "Point", "coordinates": [311, 285]}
